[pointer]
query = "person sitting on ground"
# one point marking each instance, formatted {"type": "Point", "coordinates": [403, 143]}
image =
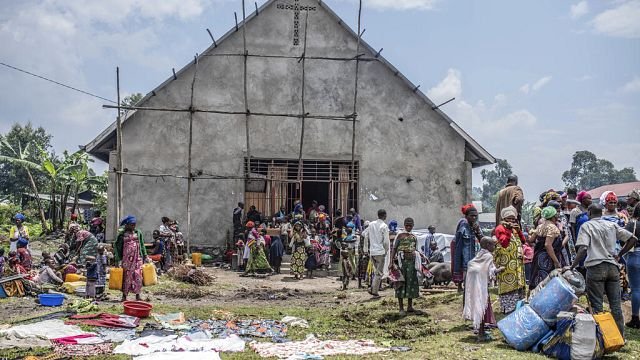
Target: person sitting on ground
{"type": "Point", "coordinates": [48, 274]}
{"type": "Point", "coordinates": [24, 255]}
{"type": "Point", "coordinates": [17, 232]}
{"type": "Point", "coordinates": [477, 303]}
{"type": "Point", "coordinates": [436, 254]}
{"type": "Point", "coordinates": [15, 267]}
{"type": "Point", "coordinates": [45, 255]}
{"type": "Point", "coordinates": [157, 252]}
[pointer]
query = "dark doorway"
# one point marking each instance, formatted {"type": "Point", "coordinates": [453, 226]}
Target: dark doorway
{"type": "Point", "coordinates": [318, 191]}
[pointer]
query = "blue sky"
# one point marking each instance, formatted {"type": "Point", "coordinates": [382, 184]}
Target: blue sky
{"type": "Point", "coordinates": [534, 81]}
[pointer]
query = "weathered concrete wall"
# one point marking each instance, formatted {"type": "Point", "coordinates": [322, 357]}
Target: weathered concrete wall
{"type": "Point", "coordinates": [422, 146]}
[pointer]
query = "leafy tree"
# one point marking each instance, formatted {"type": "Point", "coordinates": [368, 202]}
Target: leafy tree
{"type": "Point", "coordinates": [476, 193]}
{"type": "Point", "coordinates": [588, 172]}
{"type": "Point", "coordinates": [131, 100]}
{"type": "Point", "coordinates": [15, 180]}
{"type": "Point", "coordinates": [19, 157]}
{"type": "Point", "coordinates": [493, 181]}
{"type": "Point", "coordinates": [527, 212]}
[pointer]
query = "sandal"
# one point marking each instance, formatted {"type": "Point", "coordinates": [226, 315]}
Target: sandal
{"type": "Point", "coordinates": [485, 338]}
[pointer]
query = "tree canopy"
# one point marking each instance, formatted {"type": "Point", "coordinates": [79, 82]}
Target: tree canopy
{"type": "Point", "coordinates": [588, 172]}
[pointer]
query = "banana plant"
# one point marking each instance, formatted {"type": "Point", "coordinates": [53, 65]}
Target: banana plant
{"type": "Point", "coordinates": [20, 157]}
{"type": "Point", "coordinates": [58, 176]}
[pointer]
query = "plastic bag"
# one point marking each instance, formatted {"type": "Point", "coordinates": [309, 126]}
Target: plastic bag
{"type": "Point", "coordinates": [523, 328]}
{"type": "Point", "coordinates": [559, 346]}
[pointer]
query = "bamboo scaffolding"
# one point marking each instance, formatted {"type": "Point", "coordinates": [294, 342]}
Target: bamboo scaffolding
{"type": "Point", "coordinates": [119, 183]}
{"type": "Point", "coordinates": [355, 96]}
{"type": "Point", "coordinates": [302, 60]}
{"type": "Point", "coordinates": [189, 169]}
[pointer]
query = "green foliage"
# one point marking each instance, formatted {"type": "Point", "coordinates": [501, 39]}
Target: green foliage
{"type": "Point", "coordinates": [7, 212]}
{"type": "Point", "coordinates": [588, 172]}
{"type": "Point", "coordinates": [493, 181]}
{"type": "Point", "coordinates": [26, 140]}
{"type": "Point", "coordinates": [527, 212]}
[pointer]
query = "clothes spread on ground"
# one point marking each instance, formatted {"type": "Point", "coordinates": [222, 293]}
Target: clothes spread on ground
{"type": "Point", "coordinates": [48, 329]}
{"type": "Point", "coordinates": [105, 320]}
{"type": "Point", "coordinates": [82, 350]}
{"type": "Point", "coordinates": [174, 321]}
{"type": "Point", "coordinates": [153, 344]}
{"type": "Point", "coordinates": [314, 346]}
{"type": "Point", "coordinates": [117, 335]}
{"type": "Point", "coordinates": [257, 328]}
{"type": "Point", "coordinates": [83, 339]}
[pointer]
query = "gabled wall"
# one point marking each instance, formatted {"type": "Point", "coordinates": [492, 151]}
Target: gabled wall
{"type": "Point", "coordinates": [422, 146]}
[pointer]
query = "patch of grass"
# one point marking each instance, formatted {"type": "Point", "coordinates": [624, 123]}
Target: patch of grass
{"type": "Point", "coordinates": [20, 353]}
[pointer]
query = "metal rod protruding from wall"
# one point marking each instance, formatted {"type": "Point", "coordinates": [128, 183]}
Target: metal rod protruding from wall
{"type": "Point", "coordinates": [235, 15]}
{"type": "Point", "coordinates": [416, 88]}
{"type": "Point", "coordinates": [212, 38]}
{"type": "Point", "coordinates": [256, 4]}
{"type": "Point", "coordinates": [378, 53]}
{"type": "Point", "coordinates": [444, 103]}
{"type": "Point", "coordinates": [175, 77]}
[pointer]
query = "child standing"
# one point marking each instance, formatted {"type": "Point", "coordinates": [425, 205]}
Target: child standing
{"type": "Point", "coordinates": [527, 254]}
{"type": "Point", "coordinates": [92, 277]}
{"type": "Point", "coordinates": [477, 304]}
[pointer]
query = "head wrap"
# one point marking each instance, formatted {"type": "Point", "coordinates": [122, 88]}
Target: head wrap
{"type": "Point", "coordinates": [321, 208]}
{"type": "Point", "coordinates": [19, 216]}
{"type": "Point", "coordinates": [129, 219]}
{"type": "Point", "coordinates": [509, 211]}
{"type": "Point", "coordinates": [250, 224]}
{"type": "Point", "coordinates": [581, 195]}
{"type": "Point", "coordinates": [366, 223]}
{"type": "Point", "coordinates": [351, 225]}
{"type": "Point", "coordinates": [550, 196]}
{"type": "Point", "coordinates": [611, 197]}
{"type": "Point", "coordinates": [635, 194]}
{"type": "Point", "coordinates": [74, 216]}
{"type": "Point", "coordinates": [393, 225]}
{"type": "Point", "coordinates": [556, 205]}
{"type": "Point", "coordinates": [549, 212]}
{"type": "Point", "coordinates": [254, 232]}
{"type": "Point", "coordinates": [562, 194]}
{"type": "Point", "coordinates": [22, 242]}
{"type": "Point", "coordinates": [465, 208]}
{"type": "Point", "coordinates": [74, 227]}
{"type": "Point", "coordinates": [82, 235]}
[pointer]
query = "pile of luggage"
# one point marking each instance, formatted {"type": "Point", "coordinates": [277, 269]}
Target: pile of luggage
{"type": "Point", "coordinates": [552, 324]}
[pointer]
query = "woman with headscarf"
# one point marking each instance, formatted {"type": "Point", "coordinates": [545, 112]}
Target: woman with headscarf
{"type": "Point", "coordinates": [609, 200]}
{"type": "Point", "coordinates": [168, 239]}
{"type": "Point", "coordinates": [70, 236]}
{"type": "Point", "coordinates": [17, 232]}
{"type": "Point", "coordinates": [508, 254]}
{"type": "Point", "coordinates": [87, 246]}
{"type": "Point", "coordinates": [403, 258]}
{"type": "Point", "coordinates": [257, 262]}
{"type": "Point", "coordinates": [130, 253]}
{"type": "Point", "coordinates": [23, 253]}
{"type": "Point", "coordinates": [548, 253]}
{"type": "Point", "coordinates": [463, 245]}
{"type": "Point", "coordinates": [298, 240]}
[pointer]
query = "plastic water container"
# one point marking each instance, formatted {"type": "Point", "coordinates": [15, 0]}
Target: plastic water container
{"type": "Point", "coordinates": [115, 278]}
{"type": "Point", "coordinates": [556, 296]}
{"type": "Point", "coordinates": [74, 278]}
{"type": "Point", "coordinates": [523, 328]}
{"type": "Point", "coordinates": [196, 258]}
{"type": "Point", "coordinates": [149, 275]}
{"type": "Point", "coordinates": [613, 340]}
{"type": "Point", "coordinates": [51, 299]}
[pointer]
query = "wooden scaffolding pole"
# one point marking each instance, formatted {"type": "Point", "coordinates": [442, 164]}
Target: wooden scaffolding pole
{"type": "Point", "coordinates": [244, 78]}
{"type": "Point", "coordinates": [304, 113]}
{"type": "Point", "coordinates": [120, 167]}
{"type": "Point", "coordinates": [355, 103]}
{"type": "Point", "coordinates": [190, 178]}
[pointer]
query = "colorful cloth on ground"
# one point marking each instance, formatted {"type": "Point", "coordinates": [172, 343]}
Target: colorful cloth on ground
{"type": "Point", "coordinates": [82, 350]}
{"type": "Point", "coordinates": [194, 342]}
{"type": "Point", "coordinates": [131, 264]}
{"type": "Point", "coordinates": [313, 346]}
{"type": "Point", "coordinates": [511, 281]}
{"type": "Point", "coordinates": [480, 270]}
{"type": "Point", "coordinates": [257, 259]}
{"type": "Point", "coordinates": [105, 320]}
{"type": "Point", "coordinates": [257, 328]}
{"type": "Point", "coordinates": [542, 264]}
{"type": "Point", "coordinates": [405, 245]}
{"type": "Point", "coordinates": [299, 254]}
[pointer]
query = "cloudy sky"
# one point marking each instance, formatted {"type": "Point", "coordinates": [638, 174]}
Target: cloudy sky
{"type": "Point", "coordinates": [534, 81]}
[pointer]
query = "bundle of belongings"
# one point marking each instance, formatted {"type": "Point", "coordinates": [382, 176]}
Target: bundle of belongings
{"type": "Point", "coordinates": [552, 324]}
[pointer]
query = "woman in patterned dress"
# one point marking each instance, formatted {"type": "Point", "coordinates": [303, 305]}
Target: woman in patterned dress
{"type": "Point", "coordinates": [130, 251]}
{"type": "Point", "coordinates": [257, 258]}
{"type": "Point", "coordinates": [549, 251]}
{"type": "Point", "coordinates": [299, 253]}
{"type": "Point", "coordinates": [404, 254]}
{"type": "Point", "coordinates": [508, 254]}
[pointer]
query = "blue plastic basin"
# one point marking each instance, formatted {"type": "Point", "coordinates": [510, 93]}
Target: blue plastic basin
{"type": "Point", "coordinates": [51, 299]}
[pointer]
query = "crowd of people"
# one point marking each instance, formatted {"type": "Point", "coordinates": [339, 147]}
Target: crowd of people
{"type": "Point", "coordinates": [569, 232]}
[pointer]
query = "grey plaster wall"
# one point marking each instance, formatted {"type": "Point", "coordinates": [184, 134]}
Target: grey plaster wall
{"type": "Point", "coordinates": [422, 147]}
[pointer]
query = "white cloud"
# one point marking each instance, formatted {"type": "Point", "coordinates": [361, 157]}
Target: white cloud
{"type": "Point", "coordinates": [541, 82]}
{"type": "Point", "coordinates": [449, 87]}
{"type": "Point", "coordinates": [585, 77]}
{"type": "Point", "coordinates": [527, 88]}
{"type": "Point", "coordinates": [579, 10]}
{"type": "Point", "coordinates": [402, 4]}
{"type": "Point", "coordinates": [632, 86]}
{"type": "Point", "coordinates": [622, 21]}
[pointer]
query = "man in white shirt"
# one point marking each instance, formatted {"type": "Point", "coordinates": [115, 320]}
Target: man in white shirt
{"type": "Point", "coordinates": [377, 245]}
{"type": "Point", "coordinates": [596, 245]}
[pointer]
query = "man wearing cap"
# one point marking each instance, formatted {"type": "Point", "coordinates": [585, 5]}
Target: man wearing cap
{"type": "Point", "coordinates": [511, 195]}
{"type": "Point", "coordinates": [596, 246]}
{"type": "Point", "coordinates": [632, 200]}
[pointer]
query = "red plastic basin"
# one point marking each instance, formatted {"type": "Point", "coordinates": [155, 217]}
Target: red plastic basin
{"type": "Point", "coordinates": [139, 309]}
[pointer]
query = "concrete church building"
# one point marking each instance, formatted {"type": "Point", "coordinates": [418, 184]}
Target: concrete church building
{"type": "Point", "coordinates": [408, 156]}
